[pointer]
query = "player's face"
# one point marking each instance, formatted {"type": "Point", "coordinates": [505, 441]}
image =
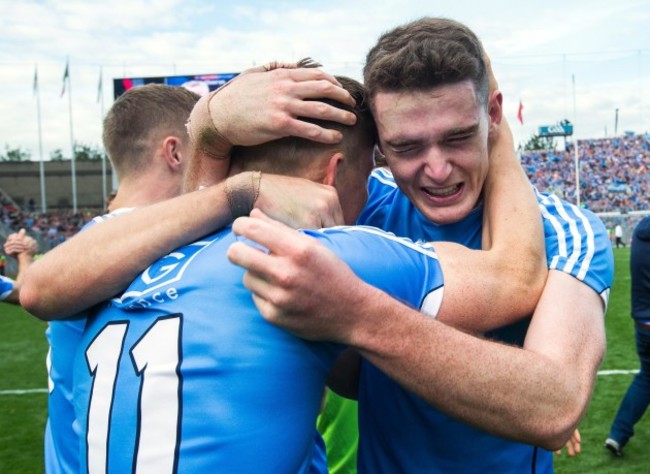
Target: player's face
{"type": "Point", "coordinates": [436, 144]}
{"type": "Point", "coordinates": [352, 184]}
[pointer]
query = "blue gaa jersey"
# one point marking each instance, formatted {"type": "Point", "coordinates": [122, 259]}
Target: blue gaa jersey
{"type": "Point", "coordinates": [182, 374]}
{"type": "Point", "coordinates": [6, 287]}
{"type": "Point", "coordinates": [61, 432]}
{"type": "Point", "coordinates": [399, 432]}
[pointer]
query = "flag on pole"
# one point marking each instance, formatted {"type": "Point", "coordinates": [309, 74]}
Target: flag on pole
{"type": "Point", "coordinates": [100, 87]}
{"type": "Point", "coordinates": [35, 80]}
{"type": "Point", "coordinates": [520, 115]}
{"type": "Point", "coordinates": [66, 76]}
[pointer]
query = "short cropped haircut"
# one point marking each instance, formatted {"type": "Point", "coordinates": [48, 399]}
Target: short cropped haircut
{"type": "Point", "coordinates": [424, 54]}
{"type": "Point", "coordinates": [142, 117]}
{"type": "Point", "coordinates": [292, 155]}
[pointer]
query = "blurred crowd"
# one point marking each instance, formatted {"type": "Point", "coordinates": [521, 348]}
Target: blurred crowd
{"type": "Point", "coordinates": [613, 173]}
{"type": "Point", "coordinates": [614, 178]}
{"type": "Point", "coordinates": [49, 228]}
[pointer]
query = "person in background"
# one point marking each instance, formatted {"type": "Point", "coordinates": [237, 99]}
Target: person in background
{"type": "Point", "coordinates": [618, 234]}
{"type": "Point", "coordinates": [637, 397]}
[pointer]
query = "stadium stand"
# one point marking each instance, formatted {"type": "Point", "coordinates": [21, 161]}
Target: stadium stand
{"type": "Point", "coordinates": [614, 183]}
{"type": "Point", "coordinates": [49, 229]}
{"type": "Point", "coordinates": [614, 177]}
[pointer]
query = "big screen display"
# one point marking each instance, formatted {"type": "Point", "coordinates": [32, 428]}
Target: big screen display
{"type": "Point", "coordinates": [202, 84]}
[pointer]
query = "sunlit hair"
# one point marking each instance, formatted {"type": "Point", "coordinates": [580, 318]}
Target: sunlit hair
{"type": "Point", "coordinates": [140, 119]}
{"type": "Point", "coordinates": [424, 54]}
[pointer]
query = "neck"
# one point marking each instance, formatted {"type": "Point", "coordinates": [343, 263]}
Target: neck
{"type": "Point", "coordinates": [145, 191]}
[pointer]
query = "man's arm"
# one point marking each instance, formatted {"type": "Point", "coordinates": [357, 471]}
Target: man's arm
{"type": "Point", "coordinates": [535, 394]}
{"type": "Point", "coordinates": [267, 103]}
{"type": "Point", "coordinates": [97, 263]}
{"type": "Point", "coordinates": [254, 107]}
{"type": "Point", "coordinates": [478, 284]}
{"type": "Point", "coordinates": [513, 260]}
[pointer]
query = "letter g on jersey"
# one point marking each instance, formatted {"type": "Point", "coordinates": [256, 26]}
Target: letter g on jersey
{"type": "Point", "coordinates": [162, 270]}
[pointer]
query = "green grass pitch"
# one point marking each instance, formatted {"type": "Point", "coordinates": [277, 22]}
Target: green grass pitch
{"type": "Point", "coordinates": [22, 415]}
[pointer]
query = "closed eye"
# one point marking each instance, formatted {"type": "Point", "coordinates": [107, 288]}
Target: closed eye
{"type": "Point", "coordinates": [404, 149]}
{"type": "Point", "coordinates": [460, 138]}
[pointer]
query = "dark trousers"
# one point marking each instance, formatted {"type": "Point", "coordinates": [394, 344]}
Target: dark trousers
{"type": "Point", "coordinates": [637, 397]}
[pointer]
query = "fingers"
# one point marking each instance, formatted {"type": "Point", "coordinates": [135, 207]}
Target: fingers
{"type": "Point", "coordinates": [14, 248]}
{"type": "Point", "coordinates": [315, 109]}
{"type": "Point", "coordinates": [310, 83]}
{"type": "Point", "coordinates": [277, 239]}
{"type": "Point", "coordinates": [319, 86]}
{"type": "Point", "coordinates": [310, 131]}
{"type": "Point", "coordinates": [248, 257]}
{"type": "Point", "coordinates": [333, 216]}
{"type": "Point", "coordinates": [573, 446]}
{"type": "Point", "coordinates": [316, 77]}
{"type": "Point", "coordinates": [270, 66]}
{"type": "Point", "coordinates": [303, 102]}
{"type": "Point", "coordinates": [11, 251]}
{"type": "Point", "coordinates": [19, 242]}
{"type": "Point", "coordinates": [260, 214]}
{"type": "Point", "coordinates": [576, 440]}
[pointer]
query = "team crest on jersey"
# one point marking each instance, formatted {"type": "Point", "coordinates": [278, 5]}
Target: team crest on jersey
{"type": "Point", "coordinates": [158, 282]}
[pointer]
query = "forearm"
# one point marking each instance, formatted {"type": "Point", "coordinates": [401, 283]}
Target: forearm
{"type": "Point", "coordinates": [501, 389]}
{"type": "Point", "coordinates": [99, 262]}
{"type": "Point", "coordinates": [509, 274]}
{"type": "Point", "coordinates": [512, 229]}
{"type": "Point", "coordinates": [25, 260]}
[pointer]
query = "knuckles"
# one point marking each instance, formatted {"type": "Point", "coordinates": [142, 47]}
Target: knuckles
{"type": "Point", "coordinates": [280, 121]}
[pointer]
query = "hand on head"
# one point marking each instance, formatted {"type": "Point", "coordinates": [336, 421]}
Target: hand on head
{"type": "Point", "coordinates": [269, 102]}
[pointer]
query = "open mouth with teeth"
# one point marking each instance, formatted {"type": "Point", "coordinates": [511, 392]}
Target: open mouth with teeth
{"type": "Point", "coordinates": [443, 192]}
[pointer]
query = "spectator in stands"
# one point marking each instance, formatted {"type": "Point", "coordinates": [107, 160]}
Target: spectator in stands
{"type": "Point", "coordinates": [50, 228]}
{"type": "Point", "coordinates": [613, 172]}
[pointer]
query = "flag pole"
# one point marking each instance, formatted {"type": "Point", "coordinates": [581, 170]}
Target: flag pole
{"type": "Point", "coordinates": [575, 145]}
{"type": "Point", "coordinates": [40, 140]}
{"type": "Point", "coordinates": [66, 78]}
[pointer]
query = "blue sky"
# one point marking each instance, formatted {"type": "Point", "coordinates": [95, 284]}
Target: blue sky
{"type": "Point", "coordinates": [536, 49]}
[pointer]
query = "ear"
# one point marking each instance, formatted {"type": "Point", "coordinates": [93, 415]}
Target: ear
{"type": "Point", "coordinates": [495, 109]}
{"type": "Point", "coordinates": [333, 165]}
{"type": "Point", "coordinates": [172, 150]}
